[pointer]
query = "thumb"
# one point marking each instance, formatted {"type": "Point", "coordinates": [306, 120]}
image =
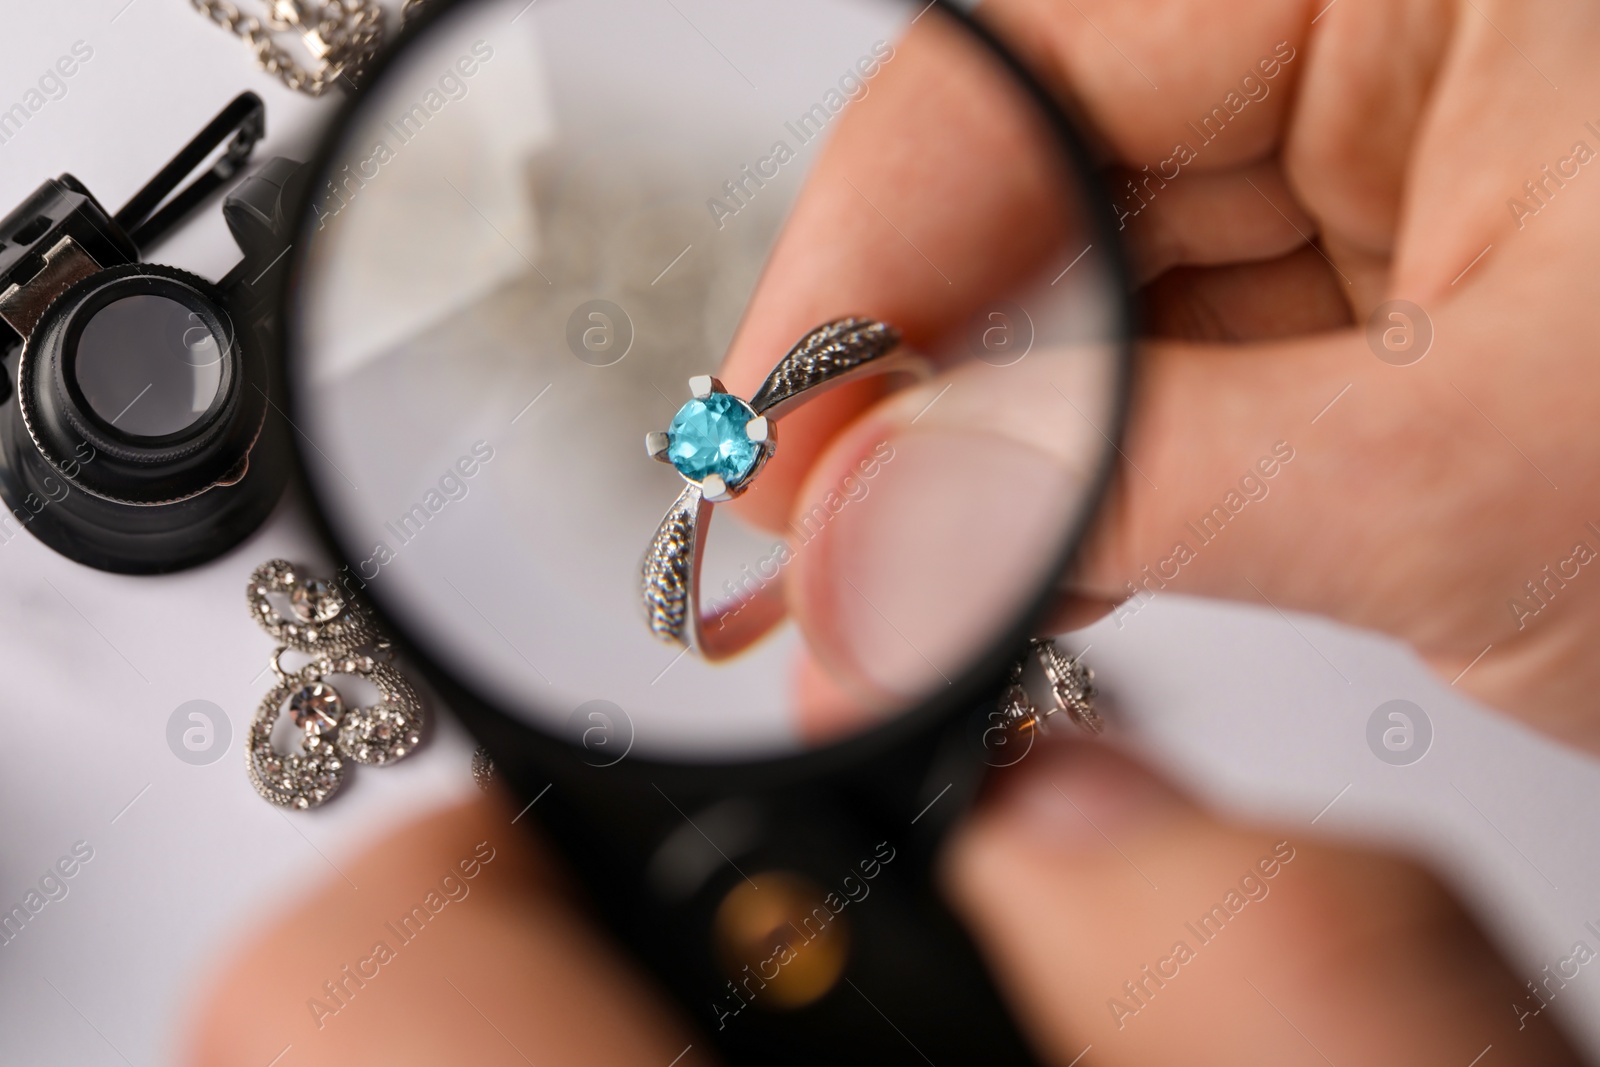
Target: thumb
{"type": "Point", "coordinates": [983, 473]}
{"type": "Point", "coordinates": [1120, 916]}
{"type": "Point", "coordinates": [929, 524]}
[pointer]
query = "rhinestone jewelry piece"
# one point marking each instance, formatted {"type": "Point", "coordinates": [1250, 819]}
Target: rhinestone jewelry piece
{"type": "Point", "coordinates": [482, 768]}
{"type": "Point", "coordinates": [321, 619]}
{"type": "Point", "coordinates": [333, 735]}
{"type": "Point", "coordinates": [379, 734]}
{"type": "Point", "coordinates": [317, 708]}
{"type": "Point", "coordinates": [296, 779]}
{"type": "Point", "coordinates": [1044, 682]}
{"type": "Point", "coordinates": [314, 600]}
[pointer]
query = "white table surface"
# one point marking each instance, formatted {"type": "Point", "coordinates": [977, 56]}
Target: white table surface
{"type": "Point", "coordinates": [1261, 716]}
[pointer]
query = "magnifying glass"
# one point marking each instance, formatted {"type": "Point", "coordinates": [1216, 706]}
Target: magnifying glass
{"type": "Point", "coordinates": [660, 511]}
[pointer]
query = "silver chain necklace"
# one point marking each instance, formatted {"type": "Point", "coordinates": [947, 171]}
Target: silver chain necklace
{"type": "Point", "coordinates": [342, 36]}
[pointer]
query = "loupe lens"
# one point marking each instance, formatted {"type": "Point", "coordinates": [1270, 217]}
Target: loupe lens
{"type": "Point", "coordinates": [148, 365]}
{"type": "Point", "coordinates": [537, 224]}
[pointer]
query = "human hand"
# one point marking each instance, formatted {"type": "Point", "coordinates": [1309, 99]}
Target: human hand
{"type": "Point", "coordinates": [1119, 915]}
{"type": "Point", "coordinates": [1447, 502]}
{"type": "Point", "coordinates": [501, 966]}
{"type": "Point", "coordinates": [1085, 875]}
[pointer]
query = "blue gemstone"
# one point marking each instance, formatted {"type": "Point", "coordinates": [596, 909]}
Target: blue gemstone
{"type": "Point", "coordinates": [708, 437]}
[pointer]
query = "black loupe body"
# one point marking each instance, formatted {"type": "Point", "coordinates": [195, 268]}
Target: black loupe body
{"type": "Point", "coordinates": [136, 436]}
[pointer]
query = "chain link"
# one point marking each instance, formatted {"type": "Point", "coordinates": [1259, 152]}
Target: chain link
{"type": "Point", "coordinates": [343, 35]}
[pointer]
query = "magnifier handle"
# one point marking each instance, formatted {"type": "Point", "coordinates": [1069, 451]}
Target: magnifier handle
{"type": "Point", "coordinates": [666, 865]}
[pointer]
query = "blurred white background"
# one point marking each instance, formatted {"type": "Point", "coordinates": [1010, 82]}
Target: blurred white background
{"type": "Point", "coordinates": [1263, 714]}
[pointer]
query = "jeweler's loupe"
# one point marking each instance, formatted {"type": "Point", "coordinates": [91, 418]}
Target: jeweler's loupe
{"type": "Point", "coordinates": [533, 243]}
{"type": "Point", "coordinates": [133, 430]}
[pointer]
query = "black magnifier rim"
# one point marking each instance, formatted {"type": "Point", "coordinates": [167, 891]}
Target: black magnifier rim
{"type": "Point", "coordinates": [207, 424]}
{"type": "Point", "coordinates": [561, 758]}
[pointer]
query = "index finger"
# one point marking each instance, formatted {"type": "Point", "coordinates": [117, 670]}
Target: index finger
{"type": "Point", "coordinates": [939, 190]}
{"type": "Point", "coordinates": [897, 222]}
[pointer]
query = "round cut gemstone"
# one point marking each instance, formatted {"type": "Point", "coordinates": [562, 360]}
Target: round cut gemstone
{"type": "Point", "coordinates": [316, 708]}
{"type": "Point", "coordinates": [707, 436]}
{"type": "Point", "coordinates": [314, 600]}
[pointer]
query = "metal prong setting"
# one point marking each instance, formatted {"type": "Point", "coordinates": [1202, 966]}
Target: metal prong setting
{"type": "Point", "coordinates": [828, 356]}
{"type": "Point", "coordinates": [656, 443]}
{"type": "Point", "coordinates": [703, 385]}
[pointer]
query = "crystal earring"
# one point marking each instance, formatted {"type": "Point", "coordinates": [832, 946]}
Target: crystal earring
{"type": "Point", "coordinates": [336, 632]}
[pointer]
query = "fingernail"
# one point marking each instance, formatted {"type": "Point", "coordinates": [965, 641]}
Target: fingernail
{"type": "Point", "coordinates": [1084, 796]}
{"type": "Point", "coordinates": [952, 535]}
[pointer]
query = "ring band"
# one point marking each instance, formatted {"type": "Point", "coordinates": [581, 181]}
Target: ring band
{"type": "Point", "coordinates": [1046, 681]}
{"type": "Point", "coordinates": [719, 444]}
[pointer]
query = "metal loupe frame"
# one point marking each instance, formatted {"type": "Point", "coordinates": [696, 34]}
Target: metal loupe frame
{"type": "Point", "coordinates": [595, 813]}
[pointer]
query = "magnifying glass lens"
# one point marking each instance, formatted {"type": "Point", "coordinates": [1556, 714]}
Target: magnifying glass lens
{"type": "Point", "coordinates": [556, 364]}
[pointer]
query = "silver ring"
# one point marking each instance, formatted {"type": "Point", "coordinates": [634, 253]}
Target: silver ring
{"type": "Point", "coordinates": [1045, 682]}
{"type": "Point", "coordinates": [719, 443]}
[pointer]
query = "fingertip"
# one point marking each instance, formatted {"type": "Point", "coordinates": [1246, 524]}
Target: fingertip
{"type": "Point", "coordinates": [1074, 611]}
{"type": "Point", "coordinates": [914, 570]}
{"type": "Point", "coordinates": [825, 710]}
{"type": "Point", "coordinates": [801, 437]}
